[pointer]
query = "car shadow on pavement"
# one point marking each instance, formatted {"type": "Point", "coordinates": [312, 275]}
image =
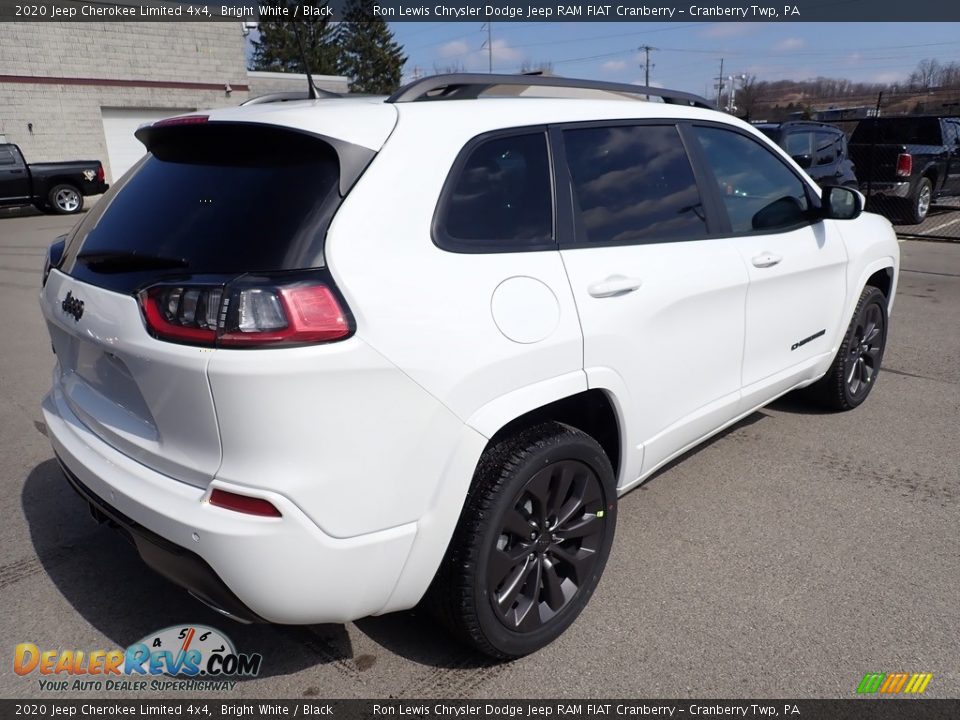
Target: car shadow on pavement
{"type": "Point", "coordinates": [101, 575]}
{"type": "Point", "coordinates": [800, 402]}
{"type": "Point", "coordinates": [416, 636]}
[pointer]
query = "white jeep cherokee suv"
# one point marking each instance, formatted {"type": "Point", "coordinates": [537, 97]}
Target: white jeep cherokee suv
{"type": "Point", "coordinates": [320, 359]}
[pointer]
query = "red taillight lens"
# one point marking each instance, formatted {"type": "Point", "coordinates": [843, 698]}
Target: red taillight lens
{"type": "Point", "coordinates": [101, 176]}
{"type": "Point", "coordinates": [304, 314]}
{"type": "Point", "coordinates": [243, 504]}
{"type": "Point", "coordinates": [904, 164]}
{"type": "Point", "coordinates": [183, 314]}
{"type": "Point", "coordinates": [245, 315]}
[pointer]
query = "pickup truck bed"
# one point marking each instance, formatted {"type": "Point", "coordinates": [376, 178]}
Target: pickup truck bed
{"type": "Point", "coordinates": [50, 186]}
{"type": "Point", "coordinates": [905, 163]}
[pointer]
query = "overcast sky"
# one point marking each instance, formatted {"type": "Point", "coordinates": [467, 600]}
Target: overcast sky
{"type": "Point", "coordinates": [689, 54]}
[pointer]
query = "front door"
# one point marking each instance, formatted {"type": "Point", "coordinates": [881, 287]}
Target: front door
{"type": "Point", "coordinates": [796, 262]}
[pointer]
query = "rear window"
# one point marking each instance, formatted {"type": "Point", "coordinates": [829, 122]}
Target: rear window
{"type": "Point", "coordinates": [895, 131]}
{"type": "Point", "coordinates": [216, 199]}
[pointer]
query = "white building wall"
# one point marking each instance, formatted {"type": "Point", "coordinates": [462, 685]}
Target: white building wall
{"type": "Point", "coordinates": [81, 67]}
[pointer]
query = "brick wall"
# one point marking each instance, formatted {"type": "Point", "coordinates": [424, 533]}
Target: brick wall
{"type": "Point", "coordinates": [65, 117]}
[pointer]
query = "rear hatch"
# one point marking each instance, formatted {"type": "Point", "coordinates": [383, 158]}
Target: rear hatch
{"type": "Point", "coordinates": [212, 206]}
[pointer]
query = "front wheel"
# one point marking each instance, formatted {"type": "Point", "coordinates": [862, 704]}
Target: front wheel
{"type": "Point", "coordinates": [65, 199]}
{"type": "Point", "coordinates": [531, 544]}
{"type": "Point", "coordinates": [854, 371]}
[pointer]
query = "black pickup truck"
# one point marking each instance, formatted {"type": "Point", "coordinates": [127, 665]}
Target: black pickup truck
{"type": "Point", "coordinates": [907, 162]}
{"type": "Point", "coordinates": [50, 187]}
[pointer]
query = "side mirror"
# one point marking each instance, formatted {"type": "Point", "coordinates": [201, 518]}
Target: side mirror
{"type": "Point", "coordinates": [804, 161]}
{"type": "Point", "coordinates": [840, 203]}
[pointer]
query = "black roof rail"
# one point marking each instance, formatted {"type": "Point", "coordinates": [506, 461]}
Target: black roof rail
{"type": "Point", "coordinates": [468, 86]}
{"type": "Point", "coordinates": [291, 95]}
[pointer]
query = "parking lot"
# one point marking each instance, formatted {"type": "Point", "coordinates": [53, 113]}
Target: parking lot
{"type": "Point", "coordinates": [788, 557]}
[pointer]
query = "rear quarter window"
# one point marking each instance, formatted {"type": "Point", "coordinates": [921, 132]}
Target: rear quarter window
{"type": "Point", "coordinates": [498, 197]}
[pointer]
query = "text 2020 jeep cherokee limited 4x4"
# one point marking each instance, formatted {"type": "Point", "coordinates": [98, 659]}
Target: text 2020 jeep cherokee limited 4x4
{"type": "Point", "coordinates": [322, 359]}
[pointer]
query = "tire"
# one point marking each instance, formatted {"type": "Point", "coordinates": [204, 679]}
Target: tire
{"type": "Point", "coordinates": [854, 371]}
{"type": "Point", "coordinates": [920, 202]}
{"type": "Point", "coordinates": [505, 592]}
{"type": "Point", "coordinates": [65, 199]}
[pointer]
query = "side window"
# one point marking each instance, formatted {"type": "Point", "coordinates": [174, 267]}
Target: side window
{"type": "Point", "coordinates": [828, 148]}
{"type": "Point", "coordinates": [501, 199]}
{"type": "Point", "coordinates": [953, 133]}
{"type": "Point", "coordinates": [758, 190]}
{"type": "Point", "coordinates": [6, 157]}
{"type": "Point", "coordinates": [634, 184]}
{"type": "Point", "coordinates": [800, 143]}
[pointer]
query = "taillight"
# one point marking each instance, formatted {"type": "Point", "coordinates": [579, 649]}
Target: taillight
{"type": "Point", "coordinates": [305, 314]}
{"type": "Point", "coordinates": [245, 314]}
{"type": "Point", "coordinates": [243, 503]}
{"type": "Point", "coordinates": [904, 165]}
{"type": "Point", "coordinates": [101, 176]}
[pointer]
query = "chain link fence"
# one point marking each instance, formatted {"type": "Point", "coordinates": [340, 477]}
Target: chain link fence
{"type": "Point", "coordinates": [904, 146]}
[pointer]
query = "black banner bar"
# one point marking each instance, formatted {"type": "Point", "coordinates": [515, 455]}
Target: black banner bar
{"type": "Point", "coordinates": [499, 10]}
{"type": "Point", "coordinates": [216, 709]}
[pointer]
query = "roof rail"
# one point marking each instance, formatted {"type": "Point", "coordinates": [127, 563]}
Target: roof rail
{"type": "Point", "coordinates": [468, 86]}
{"type": "Point", "coordinates": [290, 95]}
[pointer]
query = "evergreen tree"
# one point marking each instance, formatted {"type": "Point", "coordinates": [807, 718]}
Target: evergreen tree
{"type": "Point", "coordinates": [369, 55]}
{"type": "Point", "coordinates": [277, 49]}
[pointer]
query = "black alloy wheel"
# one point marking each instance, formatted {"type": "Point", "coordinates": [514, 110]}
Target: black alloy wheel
{"type": "Point", "coordinates": [548, 545]}
{"type": "Point", "coordinates": [531, 543]}
{"type": "Point", "coordinates": [856, 365]}
{"type": "Point", "coordinates": [865, 350]}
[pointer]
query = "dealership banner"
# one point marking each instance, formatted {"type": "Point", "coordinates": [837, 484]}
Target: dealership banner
{"type": "Point", "coordinates": [216, 709]}
{"type": "Point", "coordinates": [489, 10]}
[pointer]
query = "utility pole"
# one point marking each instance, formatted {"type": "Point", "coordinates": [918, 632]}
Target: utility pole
{"type": "Point", "coordinates": [720, 84]}
{"type": "Point", "coordinates": [646, 49]}
{"type": "Point", "coordinates": [489, 45]}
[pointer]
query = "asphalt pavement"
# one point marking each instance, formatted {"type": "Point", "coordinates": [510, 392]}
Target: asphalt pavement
{"type": "Point", "coordinates": [787, 557]}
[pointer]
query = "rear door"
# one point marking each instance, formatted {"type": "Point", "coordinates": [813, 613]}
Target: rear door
{"type": "Point", "coordinates": [660, 300]}
{"type": "Point", "coordinates": [14, 178]}
{"type": "Point", "coordinates": [796, 263]}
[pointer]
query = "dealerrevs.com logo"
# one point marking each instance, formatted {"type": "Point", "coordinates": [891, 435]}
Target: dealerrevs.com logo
{"type": "Point", "coordinates": [180, 657]}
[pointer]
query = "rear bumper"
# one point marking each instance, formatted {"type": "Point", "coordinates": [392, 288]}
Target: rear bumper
{"type": "Point", "coordinates": [175, 563]}
{"type": "Point", "coordinates": [283, 570]}
{"type": "Point", "coordinates": [887, 189]}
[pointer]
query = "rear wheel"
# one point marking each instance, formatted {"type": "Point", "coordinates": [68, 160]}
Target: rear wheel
{"type": "Point", "coordinates": [65, 199]}
{"type": "Point", "coordinates": [532, 542]}
{"type": "Point", "coordinates": [854, 371]}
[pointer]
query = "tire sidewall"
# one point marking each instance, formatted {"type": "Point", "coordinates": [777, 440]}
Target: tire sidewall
{"type": "Point", "coordinates": [873, 296]}
{"type": "Point", "coordinates": [497, 634]}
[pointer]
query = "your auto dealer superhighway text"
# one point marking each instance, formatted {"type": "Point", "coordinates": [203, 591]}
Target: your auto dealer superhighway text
{"type": "Point", "coordinates": [577, 10]}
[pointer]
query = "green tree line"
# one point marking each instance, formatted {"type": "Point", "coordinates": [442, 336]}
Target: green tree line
{"type": "Point", "coordinates": [361, 47]}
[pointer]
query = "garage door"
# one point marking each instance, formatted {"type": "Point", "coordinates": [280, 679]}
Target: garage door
{"type": "Point", "coordinates": [119, 124]}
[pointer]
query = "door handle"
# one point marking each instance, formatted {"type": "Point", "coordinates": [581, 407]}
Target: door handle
{"type": "Point", "coordinates": [614, 286]}
{"type": "Point", "coordinates": [17, 172]}
{"type": "Point", "coordinates": [765, 260]}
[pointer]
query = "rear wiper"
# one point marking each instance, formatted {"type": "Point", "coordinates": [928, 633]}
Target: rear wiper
{"type": "Point", "coordinates": [108, 261]}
